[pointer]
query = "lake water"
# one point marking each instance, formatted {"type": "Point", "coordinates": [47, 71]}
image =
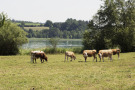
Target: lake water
{"type": "Point", "coordinates": [40, 43]}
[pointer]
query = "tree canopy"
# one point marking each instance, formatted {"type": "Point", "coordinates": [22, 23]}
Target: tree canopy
{"type": "Point", "coordinates": [112, 26]}
{"type": "Point", "coordinates": [2, 19]}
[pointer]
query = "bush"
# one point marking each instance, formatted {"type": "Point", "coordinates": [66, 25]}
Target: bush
{"type": "Point", "coordinates": [11, 37]}
{"type": "Point", "coordinates": [51, 50]}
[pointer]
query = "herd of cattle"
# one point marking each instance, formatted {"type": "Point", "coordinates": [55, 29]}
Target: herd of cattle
{"type": "Point", "coordinates": [86, 53]}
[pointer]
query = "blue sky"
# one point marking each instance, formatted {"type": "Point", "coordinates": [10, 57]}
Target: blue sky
{"type": "Point", "coordinates": [54, 10]}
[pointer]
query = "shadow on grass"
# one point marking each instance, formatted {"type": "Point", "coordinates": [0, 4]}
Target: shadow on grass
{"type": "Point", "coordinates": [84, 61]}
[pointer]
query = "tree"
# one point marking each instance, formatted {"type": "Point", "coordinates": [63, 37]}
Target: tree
{"type": "Point", "coordinates": [11, 37]}
{"type": "Point", "coordinates": [2, 19]}
{"type": "Point", "coordinates": [48, 24]}
{"type": "Point", "coordinates": [114, 25]}
{"type": "Point", "coordinates": [54, 43]}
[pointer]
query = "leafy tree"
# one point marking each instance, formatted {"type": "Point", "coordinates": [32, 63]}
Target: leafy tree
{"type": "Point", "coordinates": [54, 42]}
{"type": "Point", "coordinates": [48, 24]}
{"type": "Point", "coordinates": [2, 19]}
{"type": "Point", "coordinates": [11, 37]}
{"type": "Point", "coordinates": [113, 25]}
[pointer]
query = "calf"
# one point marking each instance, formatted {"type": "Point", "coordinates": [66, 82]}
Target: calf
{"type": "Point", "coordinates": [70, 54]}
{"type": "Point", "coordinates": [38, 54]}
{"type": "Point", "coordinates": [105, 53]}
{"type": "Point", "coordinates": [89, 53]}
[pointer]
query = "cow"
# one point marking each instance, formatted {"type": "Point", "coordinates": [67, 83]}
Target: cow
{"type": "Point", "coordinates": [70, 54]}
{"type": "Point", "coordinates": [116, 51]}
{"type": "Point", "coordinates": [38, 54]}
{"type": "Point", "coordinates": [105, 53]}
{"type": "Point", "coordinates": [90, 53]}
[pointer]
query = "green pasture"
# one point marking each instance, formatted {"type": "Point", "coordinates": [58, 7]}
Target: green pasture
{"type": "Point", "coordinates": [36, 28]}
{"type": "Point", "coordinates": [18, 73]}
{"type": "Point", "coordinates": [37, 24]}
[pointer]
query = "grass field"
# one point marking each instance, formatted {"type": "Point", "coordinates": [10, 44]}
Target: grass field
{"type": "Point", "coordinates": [18, 73]}
{"type": "Point", "coordinates": [36, 28]}
{"type": "Point", "coordinates": [30, 23]}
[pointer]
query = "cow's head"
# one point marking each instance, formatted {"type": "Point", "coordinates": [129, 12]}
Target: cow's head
{"type": "Point", "coordinates": [46, 59]}
{"type": "Point", "coordinates": [74, 57]}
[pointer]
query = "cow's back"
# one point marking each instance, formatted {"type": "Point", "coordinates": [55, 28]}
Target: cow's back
{"type": "Point", "coordinates": [89, 53]}
{"type": "Point", "coordinates": [69, 53]}
{"type": "Point", "coordinates": [106, 53]}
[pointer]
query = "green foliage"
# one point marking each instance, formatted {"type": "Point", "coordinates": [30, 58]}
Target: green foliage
{"type": "Point", "coordinates": [70, 29]}
{"type": "Point", "coordinates": [2, 19]}
{"type": "Point", "coordinates": [11, 37]}
{"type": "Point", "coordinates": [50, 50]}
{"type": "Point", "coordinates": [113, 26]}
{"type": "Point", "coordinates": [54, 42]}
{"type": "Point", "coordinates": [48, 24]}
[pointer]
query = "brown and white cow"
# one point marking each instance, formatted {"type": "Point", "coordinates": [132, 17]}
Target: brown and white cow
{"type": "Point", "coordinates": [105, 53]}
{"type": "Point", "coordinates": [70, 54]}
{"type": "Point", "coordinates": [116, 51]}
{"type": "Point", "coordinates": [90, 53]}
{"type": "Point", "coordinates": [38, 54]}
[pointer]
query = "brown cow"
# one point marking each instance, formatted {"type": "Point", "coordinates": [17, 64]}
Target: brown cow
{"type": "Point", "coordinates": [38, 54]}
{"type": "Point", "coordinates": [105, 53]}
{"type": "Point", "coordinates": [70, 54]}
{"type": "Point", "coordinates": [89, 53]}
{"type": "Point", "coordinates": [116, 51]}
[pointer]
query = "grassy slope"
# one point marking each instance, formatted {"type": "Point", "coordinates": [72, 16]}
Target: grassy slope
{"type": "Point", "coordinates": [36, 28]}
{"type": "Point", "coordinates": [16, 72]}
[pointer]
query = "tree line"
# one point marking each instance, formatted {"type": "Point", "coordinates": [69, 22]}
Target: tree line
{"type": "Point", "coordinates": [112, 26]}
{"type": "Point", "coordinates": [70, 29]}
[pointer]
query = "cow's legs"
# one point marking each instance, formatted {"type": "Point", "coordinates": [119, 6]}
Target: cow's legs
{"type": "Point", "coordinates": [35, 60]}
{"type": "Point", "coordinates": [31, 58]}
{"type": "Point", "coordinates": [41, 60]}
{"type": "Point", "coordinates": [103, 59]}
{"type": "Point", "coordinates": [118, 55]}
{"type": "Point", "coordinates": [71, 58]}
{"type": "Point", "coordinates": [111, 58]}
{"type": "Point", "coordinates": [95, 58]}
{"type": "Point", "coordinates": [100, 56]}
{"type": "Point", "coordinates": [85, 59]}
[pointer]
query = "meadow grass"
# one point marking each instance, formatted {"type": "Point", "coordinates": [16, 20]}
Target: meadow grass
{"type": "Point", "coordinates": [36, 28]}
{"type": "Point", "coordinates": [29, 23]}
{"type": "Point", "coordinates": [18, 73]}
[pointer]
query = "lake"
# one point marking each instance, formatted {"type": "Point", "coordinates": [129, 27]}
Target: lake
{"type": "Point", "coordinates": [43, 43]}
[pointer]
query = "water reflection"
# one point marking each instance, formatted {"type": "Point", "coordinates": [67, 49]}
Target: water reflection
{"type": "Point", "coordinates": [45, 43]}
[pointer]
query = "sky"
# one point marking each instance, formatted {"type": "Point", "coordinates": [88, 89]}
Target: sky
{"type": "Point", "coordinates": [54, 10]}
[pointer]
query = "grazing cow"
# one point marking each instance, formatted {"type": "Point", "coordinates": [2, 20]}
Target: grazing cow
{"type": "Point", "coordinates": [105, 53]}
{"type": "Point", "coordinates": [89, 53]}
{"type": "Point", "coordinates": [38, 54]}
{"type": "Point", "coordinates": [70, 54]}
{"type": "Point", "coordinates": [116, 51]}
